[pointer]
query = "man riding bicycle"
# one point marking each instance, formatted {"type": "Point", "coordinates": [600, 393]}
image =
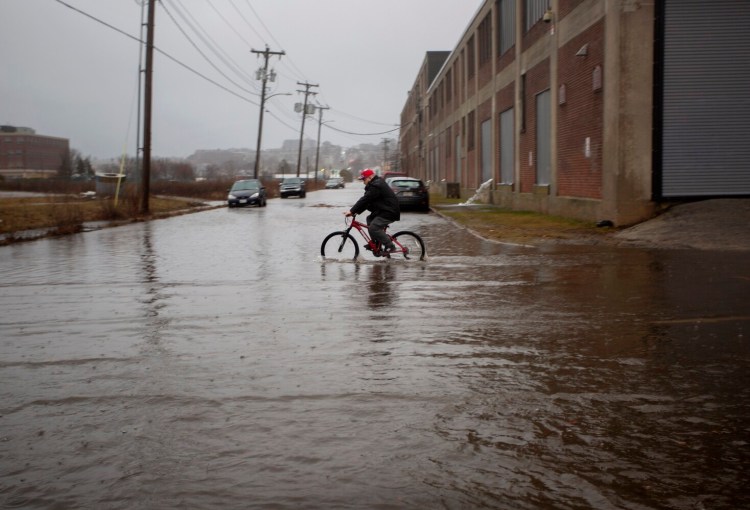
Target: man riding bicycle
{"type": "Point", "coordinates": [382, 203]}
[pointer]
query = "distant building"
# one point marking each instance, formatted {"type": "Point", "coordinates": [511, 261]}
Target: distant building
{"type": "Point", "coordinates": [593, 109]}
{"type": "Point", "coordinates": [25, 154]}
{"type": "Point", "coordinates": [293, 145]}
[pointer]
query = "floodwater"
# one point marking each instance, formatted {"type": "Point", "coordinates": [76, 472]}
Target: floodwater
{"type": "Point", "coordinates": [213, 360]}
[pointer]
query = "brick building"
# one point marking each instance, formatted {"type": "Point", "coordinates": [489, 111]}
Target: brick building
{"type": "Point", "coordinates": [592, 109]}
{"type": "Point", "coordinates": [25, 154]}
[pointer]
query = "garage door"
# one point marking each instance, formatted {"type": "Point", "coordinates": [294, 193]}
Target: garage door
{"type": "Point", "coordinates": [705, 146]}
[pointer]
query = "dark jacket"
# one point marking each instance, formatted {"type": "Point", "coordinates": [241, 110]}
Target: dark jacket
{"type": "Point", "coordinates": [380, 200]}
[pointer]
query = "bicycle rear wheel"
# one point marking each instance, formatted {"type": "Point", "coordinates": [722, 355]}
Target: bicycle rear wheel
{"type": "Point", "coordinates": [412, 243]}
{"type": "Point", "coordinates": [339, 246]}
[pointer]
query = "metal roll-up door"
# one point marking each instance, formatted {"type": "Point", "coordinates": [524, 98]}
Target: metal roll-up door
{"type": "Point", "coordinates": [705, 145]}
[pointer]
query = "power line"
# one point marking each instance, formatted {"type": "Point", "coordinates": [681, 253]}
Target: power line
{"type": "Point", "coordinates": [362, 134]}
{"type": "Point", "coordinates": [246, 21]}
{"type": "Point", "coordinates": [231, 27]}
{"type": "Point", "coordinates": [300, 74]}
{"type": "Point", "coordinates": [272, 114]}
{"type": "Point", "coordinates": [224, 88]}
{"type": "Point", "coordinates": [360, 118]}
{"type": "Point", "coordinates": [201, 53]}
{"type": "Point", "coordinates": [161, 52]}
{"type": "Point", "coordinates": [255, 13]}
{"type": "Point", "coordinates": [211, 43]}
{"type": "Point", "coordinates": [259, 20]}
{"type": "Point", "coordinates": [98, 20]}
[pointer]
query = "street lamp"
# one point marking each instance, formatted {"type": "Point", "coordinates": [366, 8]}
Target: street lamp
{"type": "Point", "coordinates": [263, 100]}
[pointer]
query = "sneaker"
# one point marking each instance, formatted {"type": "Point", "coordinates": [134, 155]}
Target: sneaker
{"type": "Point", "coordinates": [391, 249]}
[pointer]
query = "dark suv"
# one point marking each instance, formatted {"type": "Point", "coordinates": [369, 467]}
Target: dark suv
{"type": "Point", "coordinates": [292, 186]}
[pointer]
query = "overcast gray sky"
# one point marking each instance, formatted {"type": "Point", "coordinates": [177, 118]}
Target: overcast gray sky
{"type": "Point", "coordinates": [65, 74]}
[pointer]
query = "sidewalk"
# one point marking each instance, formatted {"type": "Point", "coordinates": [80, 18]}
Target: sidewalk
{"type": "Point", "coordinates": [715, 224]}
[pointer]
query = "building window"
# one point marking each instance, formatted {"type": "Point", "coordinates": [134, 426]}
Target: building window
{"type": "Point", "coordinates": [457, 80]}
{"type": "Point", "coordinates": [470, 58]}
{"type": "Point", "coordinates": [522, 94]}
{"type": "Point", "coordinates": [485, 40]}
{"type": "Point", "coordinates": [505, 10]}
{"type": "Point", "coordinates": [449, 85]}
{"type": "Point", "coordinates": [533, 12]}
{"type": "Point", "coordinates": [462, 71]}
{"type": "Point", "coordinates": [470, 128]}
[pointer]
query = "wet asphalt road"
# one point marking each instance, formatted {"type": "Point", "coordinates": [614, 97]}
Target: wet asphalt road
{"type": "Point", "coordinates": [213, 360]}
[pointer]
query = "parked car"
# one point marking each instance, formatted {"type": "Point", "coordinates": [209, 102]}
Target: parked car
{"type": "Point", "coordinates": [247, 192]}
{"type": "Point", "coordinates": [292, 186]}
{"type": "Point", "coordinates": [411, 193]}
{"type": "Point", "coordinates": [334, 183]}
{"type": "Point", "coordinates": [389, 175]}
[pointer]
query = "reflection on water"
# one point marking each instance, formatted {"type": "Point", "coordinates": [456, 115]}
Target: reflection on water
{"type": "Point", "coordinates": [212, 360]}
{"type": "Point", "coordinates": [380, 287]}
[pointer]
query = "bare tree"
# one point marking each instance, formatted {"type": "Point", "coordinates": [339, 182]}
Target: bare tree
{"type": "Point", "coordinates": [65, 171]}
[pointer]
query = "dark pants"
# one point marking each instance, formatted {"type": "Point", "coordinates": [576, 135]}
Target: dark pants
{"type": "Point", "coordinates": [377, 230]}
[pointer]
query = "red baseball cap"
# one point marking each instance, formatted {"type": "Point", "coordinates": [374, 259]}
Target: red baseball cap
{"type": "Point", "coordinates": [364, 174]}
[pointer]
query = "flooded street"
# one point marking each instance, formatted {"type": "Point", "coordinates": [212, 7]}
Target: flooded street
{"type": "Point", "coordinates": [214, 360]}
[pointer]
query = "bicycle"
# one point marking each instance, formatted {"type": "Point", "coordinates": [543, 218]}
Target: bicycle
{"type": "Point", "coordinates": [342, 245]}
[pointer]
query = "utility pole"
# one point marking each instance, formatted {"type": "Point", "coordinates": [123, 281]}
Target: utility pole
{"type": "Point", "coordinates": [317, 151]}
{"type": "Point", "coordinates": [385, 152]}
{"type": "Point", "coordinates": [304, 114]}
{"type": "Point", "coordinates": [146, 181]}
{"type": "Point", "coordinates": [264, 77]}
{"type": "Point", "coordinates": [138, 146]}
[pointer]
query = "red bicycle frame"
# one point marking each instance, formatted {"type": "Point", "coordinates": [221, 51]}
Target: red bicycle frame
{"type": "Point", "coordinates": [364, 231]}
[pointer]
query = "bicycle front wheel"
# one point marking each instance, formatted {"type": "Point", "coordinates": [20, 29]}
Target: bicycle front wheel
{"type": "Point", "coordinates": [411, 243]}
{"type": "Point", "coordinates": [339, 246]}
